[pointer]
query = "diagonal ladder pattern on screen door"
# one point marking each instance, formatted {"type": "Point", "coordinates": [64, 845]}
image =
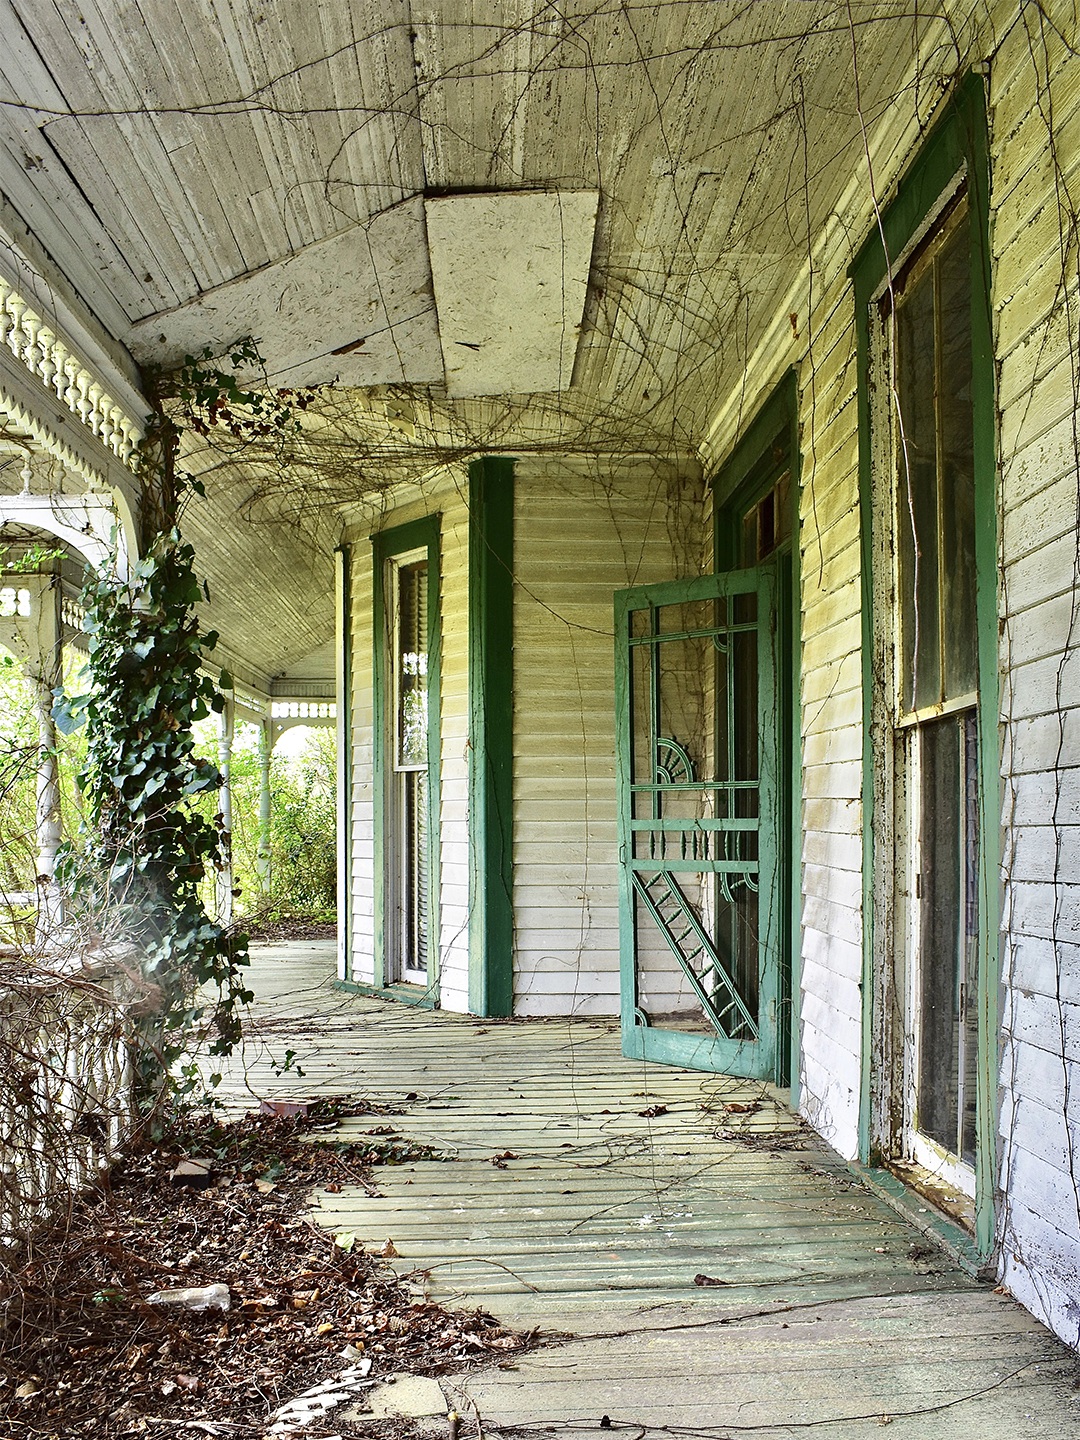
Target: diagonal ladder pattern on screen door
{"type": "Point", "coordinates": [694, 951]}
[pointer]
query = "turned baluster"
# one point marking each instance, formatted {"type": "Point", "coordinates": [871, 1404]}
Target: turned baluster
{"type": "Point", "coordinates": [127, 441]}
{"type": "Point", "coordinates": [85, 404]}
{"type": "Point", "coordinates": [32, 351]}
{"type": "Point", "coordinates": [59, 358]}
{"type": "Point", "coordinates": [47, 363]}
{"type": "Point", "coordinates": [6, 320]}
{"type": "Point", "coordinates": [16, 338]}
{"type": "Point", "coordinates": [70, 396]}
{"type": "Point", "coordinates": [95, 393]}
{"type": "Point", "coordinates": [105, 430]}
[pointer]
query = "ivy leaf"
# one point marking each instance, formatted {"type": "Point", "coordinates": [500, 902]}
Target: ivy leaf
{"type": "Point", "coordinates": [226, 680]}
{"type": "Point", "coordinates": [69, 714]}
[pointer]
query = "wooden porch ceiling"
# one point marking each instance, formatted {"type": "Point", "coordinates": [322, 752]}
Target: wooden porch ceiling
{"type": "Point", "coordinates": [195, 172]}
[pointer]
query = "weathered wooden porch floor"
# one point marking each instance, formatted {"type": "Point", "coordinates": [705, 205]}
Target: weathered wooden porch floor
{"type": "Point", "coordinates": [623, 1183]}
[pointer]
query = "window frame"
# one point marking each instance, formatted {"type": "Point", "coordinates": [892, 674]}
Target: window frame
{"type": "Point", "coordinates": [956, 153]}
{"type": "Point", "coordinates": [415, 540]}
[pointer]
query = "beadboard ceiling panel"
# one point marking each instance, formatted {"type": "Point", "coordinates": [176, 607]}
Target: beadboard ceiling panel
{"type": "Point", "coordinates": [170, 148]}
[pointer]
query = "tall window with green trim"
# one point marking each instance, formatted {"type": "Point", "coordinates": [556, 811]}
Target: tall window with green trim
{"type": "Point", "coordinates": [406, 594]}
{"type": "Point", "coordinates": [927, 477]}
{"type": "Point", "coordinates": [937, 732]}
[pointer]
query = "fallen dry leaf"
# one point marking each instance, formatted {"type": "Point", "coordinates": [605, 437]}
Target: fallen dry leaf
{"type": "Point", "coordinates": [76, 1324]}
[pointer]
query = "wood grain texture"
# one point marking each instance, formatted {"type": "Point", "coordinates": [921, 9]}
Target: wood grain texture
{"type": "Point", "coordinates": [832, 1306]}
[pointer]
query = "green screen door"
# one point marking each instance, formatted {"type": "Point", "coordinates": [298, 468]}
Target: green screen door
{"type": "Point", "coordinates": [697, 726]}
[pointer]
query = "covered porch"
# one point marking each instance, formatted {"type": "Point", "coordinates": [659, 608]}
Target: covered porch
{"type": "Point", "coordinates": [713, 1264]}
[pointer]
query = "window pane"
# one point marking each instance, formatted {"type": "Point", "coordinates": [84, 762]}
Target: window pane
{"type": "Point", "coordinates": [917, 501]}
{"type": "Point", "coordinates": [416, 870]}
{"type": "Point", "coordinates": [935, 474]}
{"type": "Point", "coordinates": [940, 840]}
{"type": "Point", "coordinates": [949, 932]}
{"type": "Point", "coordinates": [958, 470]}
{"type": "Point", "coordinates": [412, 665]}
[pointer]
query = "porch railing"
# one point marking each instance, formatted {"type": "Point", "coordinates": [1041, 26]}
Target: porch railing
{"type": "Point", "coordinates": [66, 1090]}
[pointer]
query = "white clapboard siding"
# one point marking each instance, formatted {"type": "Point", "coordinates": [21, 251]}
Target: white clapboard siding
{"type": "Point", "coordinates": [360, 823]}
{"type": "Point", "coordinates": [582, 531]}
{"type": "Point", "coordinates": [1035, 87]}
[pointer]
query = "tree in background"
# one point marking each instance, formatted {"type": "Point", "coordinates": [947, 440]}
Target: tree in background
{"type": "Point", "coordinates": [19, 741]}
{"type": "Point", "coordinates": [303, 860]}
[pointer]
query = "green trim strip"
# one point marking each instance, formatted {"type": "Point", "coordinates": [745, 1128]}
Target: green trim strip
{"type": "Point", "coordinates": [918, 1211]}
{"type": "Point", "coordinates": [491, 736]}
{"type": "Point", "coordinates": [959, 142]}
{"type": "Point", "coordinates": [344, 758]}
{"type": "Point", "coordinates": [769, 444]}
{"type": "Point", "coordinates": [755, 453]}
{"type": "Point", "coordinates": [420, 534]}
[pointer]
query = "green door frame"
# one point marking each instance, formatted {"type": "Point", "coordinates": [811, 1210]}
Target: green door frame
{"type": "Point", "coordinates": [491, 736]}
{"type": "Point", "coordinates": [959, 144]}
{"type": "Point", "coordinates": [768, 446]}
{"type": "Point", "coordinates": [420, 534]}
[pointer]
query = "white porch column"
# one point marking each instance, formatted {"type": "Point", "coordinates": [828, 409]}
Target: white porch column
{"type": "Point", "coordinates": [263, 853]}
{"type": "Point", "coordinates": [224, 887]}
{"type": "Point", "coordinates": [42, 649]}
{"type": "Point", "coordinates": [45, 680]}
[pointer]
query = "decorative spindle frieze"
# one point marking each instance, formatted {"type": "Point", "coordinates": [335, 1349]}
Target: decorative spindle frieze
{"type": "Point", "coordinates": [37, 347]}
{"type": "Point", "coordinates": [71, 613]}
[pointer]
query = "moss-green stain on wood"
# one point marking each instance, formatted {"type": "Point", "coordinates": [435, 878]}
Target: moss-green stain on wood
{"type": "Point", "coordinates": [958, 143]}
{"type": "Point", "coordinates": [491, 735]}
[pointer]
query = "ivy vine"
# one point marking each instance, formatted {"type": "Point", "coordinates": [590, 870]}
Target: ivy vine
{"type": "Point", "coordinates": [146, 847]}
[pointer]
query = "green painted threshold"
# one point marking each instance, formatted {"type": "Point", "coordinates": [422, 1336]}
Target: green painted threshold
{"type": "Point", "coordinates": [923, 1214]}
{"type": "Point", "coordinates": [403, 994]}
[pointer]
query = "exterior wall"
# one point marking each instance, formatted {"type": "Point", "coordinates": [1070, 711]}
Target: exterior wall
{"type": "Point", "coordinates": [814, 330]}
{"type": "Point", "coordinates": [360, 822]}
{"type": "Point", "coordinates": [582, 531]}
{"type": "Point", "coordinates": [1036, 122]}
{"type": "Point", "coordinates": [831, 957]}
{"type": "Point", "coordinates": [1034, 91]}
{"type": "Point", "coordinates": [445, 496]}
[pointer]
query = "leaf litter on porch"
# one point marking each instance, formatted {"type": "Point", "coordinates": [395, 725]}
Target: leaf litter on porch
{"type": "Point", "coordinates": [83, 1352]}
